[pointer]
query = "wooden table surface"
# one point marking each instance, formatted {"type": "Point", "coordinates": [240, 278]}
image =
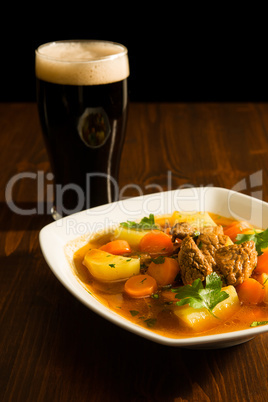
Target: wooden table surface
{"type": "Point", "coordinates": [52, 348]}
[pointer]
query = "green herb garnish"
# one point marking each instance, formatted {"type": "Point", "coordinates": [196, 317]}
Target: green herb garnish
{"type": "Point", "coordinates": [133, 312]}
{"type": "Point", "coordinates": [144, 224]}
{"type": "Point", "coordinates": [200, 245]}
{"type": "Point", "coordinates": [199, 296]}
{"type": "Point", "coordinates": [150, 322]}
{"type": "Point", "coordinates": [260, 240]}
{"type": "Point", "coordinates": [159, 260]}
{"type": "Point", "coordinates": [112, 265]}
{"type": "Point", "coordinates": [257, 323]}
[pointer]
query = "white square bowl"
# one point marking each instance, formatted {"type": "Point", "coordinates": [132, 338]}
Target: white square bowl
{"type": "Point", "coordinates": [55, 236]}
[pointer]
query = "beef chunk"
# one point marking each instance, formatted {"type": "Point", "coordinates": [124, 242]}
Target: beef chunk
{"type": "Point", "coordinates": [236, 262]}
{"type": "Point", "coordinates": [193, 264]}
{"type": "Point", "coordinates": [208, 243]}
{"type": "Point", "coordinates": [145, 258]}
{"type": "Point", "coordinates": [181, 230]}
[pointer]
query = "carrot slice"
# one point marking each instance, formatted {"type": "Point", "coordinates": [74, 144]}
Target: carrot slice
{"type": "Point", "coordinates": [262, 264]}
{"type": "Point", "coordinates": [140, 286]}
{"type": "Point", "coordinates": [235, 228]}
{"type": "Point", "coordinates": [156, 242]}
{"type": "Point", "coordinates": [117, 247]}
{"type": "Point", "coordinates": [250, 291]}
{"type": "Point", "coordinates": [165, 272]}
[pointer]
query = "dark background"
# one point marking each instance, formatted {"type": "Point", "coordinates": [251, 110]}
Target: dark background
{"type": "Point", "coordinates": [175, 55]}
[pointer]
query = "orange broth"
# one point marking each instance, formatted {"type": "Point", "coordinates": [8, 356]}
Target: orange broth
{"type": "Point", "coordinates": [157, 314]}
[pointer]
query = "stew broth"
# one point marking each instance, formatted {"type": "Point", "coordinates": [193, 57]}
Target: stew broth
{"type": "Point", "coordinates": [156, 312]}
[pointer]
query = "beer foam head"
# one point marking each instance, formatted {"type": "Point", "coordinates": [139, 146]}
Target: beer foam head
{"type": "Point", "coordinates": [81, 62]}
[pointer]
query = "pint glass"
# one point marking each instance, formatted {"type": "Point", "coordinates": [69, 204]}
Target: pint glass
{"type": "Point", "coordinates": [82, 101]}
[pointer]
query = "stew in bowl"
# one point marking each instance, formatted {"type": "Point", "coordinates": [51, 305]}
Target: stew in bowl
{"type": "Point", "coordinates": [188, 277]}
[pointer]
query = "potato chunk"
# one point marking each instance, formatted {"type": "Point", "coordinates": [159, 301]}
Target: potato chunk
{"type": "Point", "coordinates": [107, 267]}
{"type": "Point", "coordinates": [200, 320]}
{"type": "Point", "coordinates": [198, 220]}
{"type": "Point", "coordinates": [132, 236]}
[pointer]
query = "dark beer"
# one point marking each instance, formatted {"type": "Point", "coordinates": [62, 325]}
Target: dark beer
{"type": "Point", "coordinates": [82, 101]}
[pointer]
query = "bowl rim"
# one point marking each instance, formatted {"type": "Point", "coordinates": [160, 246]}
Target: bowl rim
{"type": "Point", "coordinates": [53, 237]}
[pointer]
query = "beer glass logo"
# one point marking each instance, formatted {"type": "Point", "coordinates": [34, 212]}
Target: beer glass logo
{"type": "Point", "coordinates": [94, 127]}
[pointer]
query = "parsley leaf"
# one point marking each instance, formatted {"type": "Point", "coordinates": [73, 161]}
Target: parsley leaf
{"type": "Point", "coordinates": [150, 322]}
{"type": "Point", "coordinates": [260, 240]}
{"type": "Point", "coordinates": [257, 323]}
{"type": "Point", "coordinates": [159, 260]}
{"type": "Point", "coordinates": [198, 296]}
{"type": "Point", "coordinates": [144, 224]}
{"type": "Point", "coordinates": [133, 312]}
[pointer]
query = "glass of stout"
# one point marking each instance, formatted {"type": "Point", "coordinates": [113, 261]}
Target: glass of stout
{"type": "Point", "coordinates": [82, 101]}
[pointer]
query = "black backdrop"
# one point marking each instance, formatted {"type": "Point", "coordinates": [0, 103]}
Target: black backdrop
{"type": "Point", "coordinates": [174, 56]}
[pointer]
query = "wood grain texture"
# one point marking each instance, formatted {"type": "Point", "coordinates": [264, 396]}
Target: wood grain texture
{"type": "Point", "coordinates": [52, 347]}
{"type": "Point", "coordinates": [200, 144]}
